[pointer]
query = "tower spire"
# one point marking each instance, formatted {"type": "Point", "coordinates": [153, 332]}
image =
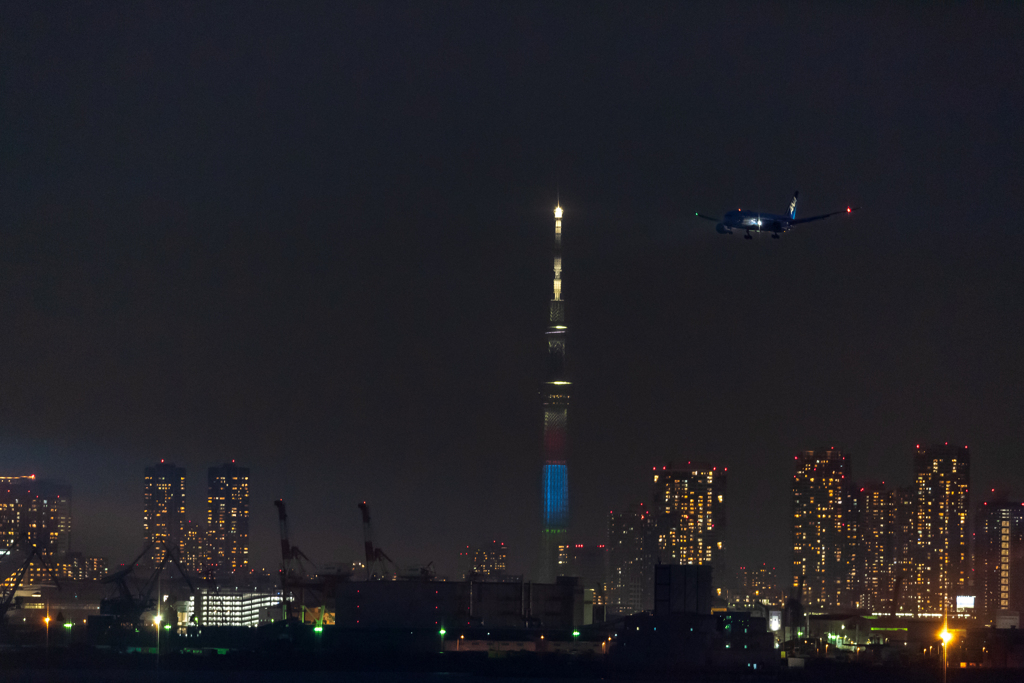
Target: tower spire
{"type": "Point", "coordinates": [555, 484]}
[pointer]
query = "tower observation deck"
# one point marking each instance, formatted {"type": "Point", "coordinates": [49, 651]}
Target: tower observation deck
{"type": "Point", "coordinates": [555, 480]}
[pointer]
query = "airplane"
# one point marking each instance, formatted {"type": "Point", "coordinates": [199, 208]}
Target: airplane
{"type": "Point", "coordinates": [757, 221]}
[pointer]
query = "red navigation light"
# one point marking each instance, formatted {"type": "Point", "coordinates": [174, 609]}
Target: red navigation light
{"type": "Point", "coordinates": [849, 210]}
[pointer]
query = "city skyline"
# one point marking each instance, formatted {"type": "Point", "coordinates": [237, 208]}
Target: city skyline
{"type": "Point", "coordinates": [319, 242]}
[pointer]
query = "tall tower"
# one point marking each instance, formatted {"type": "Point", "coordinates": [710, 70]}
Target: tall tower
{"type": "Point", "coordinates": [228, 520]}
{"type": "Point", "coordinates": [822, 511]}
{"type": "Point", "coordinates": [941, 481]}
{"type": "Point", "coordinates": [163, 510]}
{"type": "Point", "coordinates": [689, 515]}
{"type": "Point", "coordinates": [555, 485]}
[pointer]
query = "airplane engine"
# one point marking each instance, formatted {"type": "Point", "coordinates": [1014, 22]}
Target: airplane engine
{"type": "Point", "coordinates": [722, 229]}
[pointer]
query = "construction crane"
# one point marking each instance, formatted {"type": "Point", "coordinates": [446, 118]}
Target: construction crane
{"type": "Point", "coordinates": [129, 605]}
{"type": "Point", "coordinates": [375, 557]}
{"type": "Point", "coordinates": [294, 576]}
{"type": "Point", "coordinates": [12, 580]}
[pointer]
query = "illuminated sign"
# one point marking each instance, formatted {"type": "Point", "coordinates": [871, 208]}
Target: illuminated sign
{"type": "Point", "coordinates": [965, 602]}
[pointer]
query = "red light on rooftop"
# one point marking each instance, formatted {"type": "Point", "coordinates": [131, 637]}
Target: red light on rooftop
{"type": "Point", "coordinates": [849, 210]}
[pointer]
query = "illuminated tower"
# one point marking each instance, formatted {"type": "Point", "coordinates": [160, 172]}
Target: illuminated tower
{"type": "Point", "coordinates": [941, 482]}
{"type": "Point", "coordinates": [877, 546]}
{"type": "Point", "coordinates": [822, 511]}
{"type": "Point", "coordinates": [228, 520]}
{"type": "Point", "coordinates": [689, 515]}
{"type": "Point", "coordinates": [555, 489]}
{"type": "Point", "coordinates": [163, 510]}
{"type": "Point", "coordinates": [999, 557]}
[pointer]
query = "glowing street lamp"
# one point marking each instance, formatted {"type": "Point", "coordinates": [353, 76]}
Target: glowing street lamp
{"type": "Point", "coordinates": [946, 636]}
{"type": "Point", "coordinates": [441, 633]}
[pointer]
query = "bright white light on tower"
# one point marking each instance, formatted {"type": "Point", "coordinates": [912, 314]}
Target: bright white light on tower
{"type": "Point", "coordinates": [558, 212]}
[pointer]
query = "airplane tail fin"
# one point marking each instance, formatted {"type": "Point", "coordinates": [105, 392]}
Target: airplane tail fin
{"type": "Point", "coordinates": [792, 205]}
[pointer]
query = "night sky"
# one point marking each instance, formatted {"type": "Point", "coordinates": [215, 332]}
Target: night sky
{"type": "Point", "coordinates": [316, 238]}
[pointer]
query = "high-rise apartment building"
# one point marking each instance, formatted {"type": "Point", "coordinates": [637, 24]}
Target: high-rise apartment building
{"type": "Point", "coordinates": [36, 512]}
{"type": "Point", "coordinates": [228, 520]}
{"type": "Point", "coordinates": [194, 548]}
{"type": "Point", "coordinates": [630, 563]}
{"type": "Point", "coordinates": [822, 511]}
{"type": "Point", "coordinates": [487, 560]}
{"type": "Point", "coordinates": [757, 586]}
{"type": "Point", "coordinates": [999, 558]}
{"type": "Point", "coordinates": [163, 508]}
{"type": "Point", "coordinates": [555, 477]}
{"type": "Point", "coordinates": [689, 515]}
{"type": "Point", "coordinates": [940, 552]}
{"type": "Point", "coordinates": [877, 546]}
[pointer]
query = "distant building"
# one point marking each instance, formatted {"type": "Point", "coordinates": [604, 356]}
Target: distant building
{"type": "Point", "coordinates": [163, 509]}
{"type": "Point", "coordinates": [758, 585]}
{"type": "Point", "coordinates": [194, 548]}
{"type": "Point", "coordinates": [228, 520]}
{"type": "Point", "coordinates": [631, 565]}
{"type": "Point", "coordinates": [689, 515]}
{"type": "Point", "coordinates": [487, 560]}
{"type": "Point", "coordinates": [999, 558]}
{"type": "Point", "coordinates": [229, 607]}
{"type": "Point", "coordinates": [38, 511]}
{"type": "Point", "coordinates": [877, 546]}
{"type": "Point", "coordinates": [822, 511]}
{"type": "Point", "coordinates": [904, 540]}
{"type": "Point", "coordinates": [940, 553]}
{"type": "Point", "coordinates": [589, 563]}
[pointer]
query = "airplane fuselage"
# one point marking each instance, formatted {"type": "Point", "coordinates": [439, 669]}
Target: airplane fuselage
{"type": "Point", "coordinates": [754, 221]}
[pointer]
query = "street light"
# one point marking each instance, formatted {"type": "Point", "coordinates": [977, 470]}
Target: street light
{"type": "Point", "coordinates": [156, 622]}
{"type": "Point", "coordinates": [442, 632]}
{"type": "Point", "coordinates": [946, 637]}
{"type": "Point", "coordinates": [46, 621]}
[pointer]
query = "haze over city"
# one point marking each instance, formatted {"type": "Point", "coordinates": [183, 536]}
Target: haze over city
{"type": "Point", "coordinates": [319, 243]}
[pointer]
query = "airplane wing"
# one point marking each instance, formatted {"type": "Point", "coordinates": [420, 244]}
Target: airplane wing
{"type": "Point", "coordinates": [824, 215]}
{"type": "Point", "coordinates": [709, 218]}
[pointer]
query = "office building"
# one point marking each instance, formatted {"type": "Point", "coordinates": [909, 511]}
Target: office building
{"type": "Point", "coordinates": [631, 565]}
{"type": "Point", "coordinates": [940, 552]}
{"type": "Point", "coordinates": [822, 509]}
{"type": "Point", "coordinates": [999, 558]}
{"type": "Point", "coordinates": [689, 515]}
{"type": "Point", "coordinates": [757, 586]}
{"type": "Point", "coordinates": [163, 509]}
{"type": "Point", "coordinates": [555, 476]}
{"type": "Point", "coordinates": [227, 520]}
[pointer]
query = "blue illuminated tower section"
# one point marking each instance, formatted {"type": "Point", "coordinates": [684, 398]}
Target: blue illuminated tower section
{"type": "Point", "coordinates": [556, 403]}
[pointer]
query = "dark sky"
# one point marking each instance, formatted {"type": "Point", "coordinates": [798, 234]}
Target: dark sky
{"type": "Point", "coordinates": [316, 238]}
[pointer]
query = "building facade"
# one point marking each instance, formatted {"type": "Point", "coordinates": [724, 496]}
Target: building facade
{"type": "Point", "coordinates": [163, 508]}
{"type": "Point", "coordinates": [555, 476]}
{"type": "Point", "coordinates": [940, 547]}
{"type": "Point", "coordinates": [877, 546]}
{"type": "Point", "coordinates": [689, 515]}
{"type": "Point", "coordinates": [36, 512]}
{"type": "Point", "coordinates": [999, 558]}
{"type": "Point", "coordinates": [822, 510]}
{"type": "Point", "coordinates": [486, 560]}
{"type": "Point", "coordinates": [227, 520]}
{"type": "Point", "coordinates": [630, 562]}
